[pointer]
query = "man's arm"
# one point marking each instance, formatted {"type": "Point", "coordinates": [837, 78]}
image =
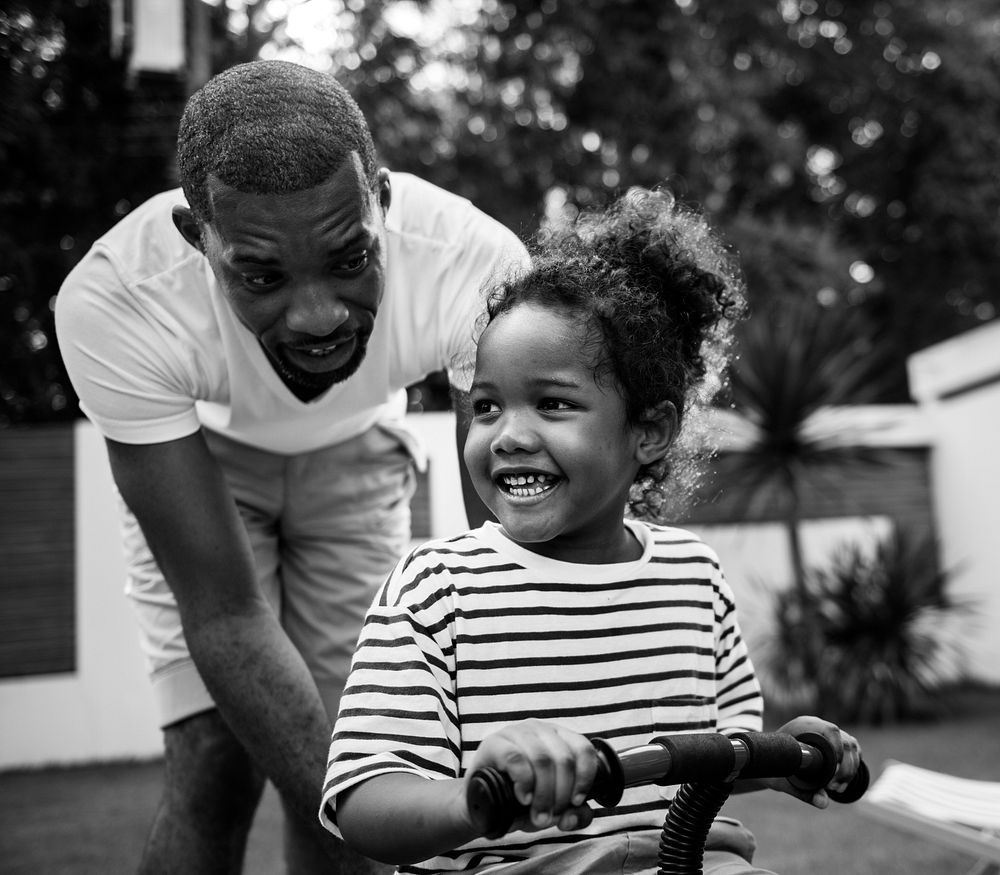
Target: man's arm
{"type": "Point", "coordinates": [258, 680]}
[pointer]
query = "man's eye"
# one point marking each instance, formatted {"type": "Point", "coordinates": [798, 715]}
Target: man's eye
{"type": "Point", "coordinates": [260, 281]}
{"type": "Point", "coordinates": [354, 264]}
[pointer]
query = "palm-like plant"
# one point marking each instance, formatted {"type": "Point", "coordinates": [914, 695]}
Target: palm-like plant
{"type": "Point", "coordinates": [880, 622]}
{"type": "Point", "coordinates": [797, 359]}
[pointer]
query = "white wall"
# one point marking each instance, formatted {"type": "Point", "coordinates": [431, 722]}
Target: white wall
{"type": "Point", "coordinates": [104, 710]}
{"type": "Point", "coordinates": [757, 563]}
{"type": "Point", "coordinates": [957, 383]}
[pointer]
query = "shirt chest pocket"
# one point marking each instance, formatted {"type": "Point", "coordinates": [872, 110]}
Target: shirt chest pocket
{"type": "Point", "coordinates": [683, 712]}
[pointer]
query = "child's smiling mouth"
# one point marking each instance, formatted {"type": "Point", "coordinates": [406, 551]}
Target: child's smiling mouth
{"type": "Point", "coordinates": [526, 485]}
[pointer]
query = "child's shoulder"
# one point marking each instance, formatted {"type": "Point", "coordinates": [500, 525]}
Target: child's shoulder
{"type": "Point", "coordinates": [467, 551]}
{"type": "Point", "coordinates": [435, 570]}
{"type": "Point", "coordinates": [677, 542]}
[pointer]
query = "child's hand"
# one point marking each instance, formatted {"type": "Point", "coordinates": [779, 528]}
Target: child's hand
{"type": "Point", "coordinates": [846, 748]}
{"type": "Point", "coordinates": [551, 768]}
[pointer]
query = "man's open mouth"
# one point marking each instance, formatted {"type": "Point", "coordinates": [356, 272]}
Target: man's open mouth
{"type": "Point", "coordinates": [320, 351]}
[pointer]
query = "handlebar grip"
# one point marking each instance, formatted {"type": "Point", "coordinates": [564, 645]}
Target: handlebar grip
{"type": "Point", "coordinates": [492, 804]}
{"type": "Point", "coordinates": [856, 789]}
{"type": "Point", "coordinates": [819, 775]}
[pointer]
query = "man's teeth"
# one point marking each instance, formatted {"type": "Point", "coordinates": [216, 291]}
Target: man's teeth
{"type": "Point", "coordinates": [523, 485]}
{"type": "Point", "coordinates": [320, 351]}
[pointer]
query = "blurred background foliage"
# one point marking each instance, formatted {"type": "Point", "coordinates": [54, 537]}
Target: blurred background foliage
{"type": "Point", "coordinates": [848, 150]}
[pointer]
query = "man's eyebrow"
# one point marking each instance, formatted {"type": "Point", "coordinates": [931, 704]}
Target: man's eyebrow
{"type": "Point", "coordinates": [261, 260]}
{"type": "Point", "coordinates": [362, 238]}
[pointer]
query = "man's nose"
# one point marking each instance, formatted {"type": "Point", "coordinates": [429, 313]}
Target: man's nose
{"type": "Point", "coordinates": [316, 309]}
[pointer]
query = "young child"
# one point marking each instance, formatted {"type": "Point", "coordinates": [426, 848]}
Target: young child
{"type": "Point", "coordinates": [510, 645]}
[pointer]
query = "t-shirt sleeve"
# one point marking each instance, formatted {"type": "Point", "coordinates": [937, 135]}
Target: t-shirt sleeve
{"type": "Point", "coordinates": [489, 253]}
{"type": "Point", "coordinates": [741, 706]}
{"type": "Point", "coordinates": [126, 364]}
{"type": "Point", "coordinates": [398, 711]}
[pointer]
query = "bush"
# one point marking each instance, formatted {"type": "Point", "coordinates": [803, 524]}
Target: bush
{"type": "Point", "coordinates": [876, 624]}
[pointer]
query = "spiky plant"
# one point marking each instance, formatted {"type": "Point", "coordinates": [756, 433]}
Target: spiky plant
{"type": "Point", "coordinates": [797, 359]}
{"type": "Point", "coordinates": [889, 645]}
{"type": "Point", "coordinates": [882, 623]}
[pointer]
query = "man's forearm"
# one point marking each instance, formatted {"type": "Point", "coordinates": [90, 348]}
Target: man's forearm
{"type": "Point", "coordinates": [265, 693]}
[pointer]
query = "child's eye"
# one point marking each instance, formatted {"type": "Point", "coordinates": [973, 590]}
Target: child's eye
{"type": "Point", "coordinates": [554, 404]}
{"type": "Point", "coordinates": [483, 407]}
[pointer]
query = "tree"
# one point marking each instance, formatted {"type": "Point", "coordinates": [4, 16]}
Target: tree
{"type": "Point", "coordinates": [874, 124]}
{"type": "Point", "coordinates": [872, 127]}
{"type": "Point", "coordinates": [76, 157]}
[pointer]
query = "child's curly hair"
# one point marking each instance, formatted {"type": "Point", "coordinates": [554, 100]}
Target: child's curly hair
{"type": "Point", "coordinates": [657, 293]}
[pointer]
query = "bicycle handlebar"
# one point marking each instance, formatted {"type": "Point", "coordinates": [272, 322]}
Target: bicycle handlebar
{"type": "Point", "coordinates": [808, 761]}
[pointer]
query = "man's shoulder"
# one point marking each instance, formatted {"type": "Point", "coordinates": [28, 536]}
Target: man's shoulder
{"type": "Point", "coordinates": [145, 241]}
{"type": "Point", "coordinates": [423, 210]}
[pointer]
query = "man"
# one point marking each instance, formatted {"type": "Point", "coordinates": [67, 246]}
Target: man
{"type": "Point", "coordinates": [248, 375]}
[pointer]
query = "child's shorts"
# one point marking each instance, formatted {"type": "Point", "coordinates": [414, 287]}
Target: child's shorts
{"type": "Point", "coordinates": [326, 527]}
{"type": "Point", "coordinates": [627, 854]}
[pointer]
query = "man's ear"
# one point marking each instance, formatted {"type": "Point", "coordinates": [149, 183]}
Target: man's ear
{"type": "Point", "coordinates": [657, 430]}
{"type": "Point", "coordinates": [383, 189]}
{"type": "Point", "coordinates": [189, 227]}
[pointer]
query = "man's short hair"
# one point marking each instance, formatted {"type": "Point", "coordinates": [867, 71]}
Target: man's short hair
{"type": "Point", "coordinates": [269, 127]}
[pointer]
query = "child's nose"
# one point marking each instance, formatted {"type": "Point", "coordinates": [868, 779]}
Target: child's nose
{"type": "Point", "coordinates": [514, 435]}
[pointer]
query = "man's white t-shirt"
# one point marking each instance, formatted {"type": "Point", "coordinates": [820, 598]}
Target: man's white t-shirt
{"type": "Point", "coordinates": [155, 351]}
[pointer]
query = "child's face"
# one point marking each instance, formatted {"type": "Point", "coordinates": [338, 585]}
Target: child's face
{"type": "Point", "coordinates": [549, 449]}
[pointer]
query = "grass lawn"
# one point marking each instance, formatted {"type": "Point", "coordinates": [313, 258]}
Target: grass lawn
{"type": "Point", "coordinates": [92, 820]}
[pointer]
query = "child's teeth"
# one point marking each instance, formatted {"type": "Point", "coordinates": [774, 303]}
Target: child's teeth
{"type": "Point", "coordinates": [527, 484]}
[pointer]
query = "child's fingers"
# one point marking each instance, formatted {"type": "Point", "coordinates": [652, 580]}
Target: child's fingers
{"type": "Point", "coordinates": [850, 762]}
{"type": "Point", "coordinates": [551, 768]}
{"type": "Point", "coordinates": [577, 817]}
{"type": "Point", "coordinates": [574, 766]}
{"type": "Point", "coordinates": [563, 763]}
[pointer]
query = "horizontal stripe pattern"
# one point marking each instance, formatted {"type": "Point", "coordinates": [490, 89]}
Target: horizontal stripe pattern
{"type": "Point", "coordinates": [474, 632]}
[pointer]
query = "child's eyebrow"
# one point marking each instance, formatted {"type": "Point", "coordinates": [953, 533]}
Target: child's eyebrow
{"type": "Point", "coordinates": [558, 382]}
{"type": "Point", "coordinates": [538, 382]}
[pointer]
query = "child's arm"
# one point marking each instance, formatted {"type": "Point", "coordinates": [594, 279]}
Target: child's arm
{"type": "Point", "coordinates": [845, 746]}
{"type": "Point", "coordinates": [403, 818]}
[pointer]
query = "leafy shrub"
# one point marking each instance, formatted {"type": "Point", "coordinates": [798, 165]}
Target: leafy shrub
{"type": "Point", "coordinates": [878, 625]}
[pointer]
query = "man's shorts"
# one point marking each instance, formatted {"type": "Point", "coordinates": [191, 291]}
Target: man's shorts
{"type": "Point", "coordinates": [326, 528]}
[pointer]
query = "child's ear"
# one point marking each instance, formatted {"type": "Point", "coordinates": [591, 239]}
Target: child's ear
{"type": "Point", "coordinates": [657, 430]}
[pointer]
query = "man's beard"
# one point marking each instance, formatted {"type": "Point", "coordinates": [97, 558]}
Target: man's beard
{"type": "Point", "coordinates": [315, 384]}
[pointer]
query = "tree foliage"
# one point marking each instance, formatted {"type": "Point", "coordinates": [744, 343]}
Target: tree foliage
{"type": "Point", "coordinates": [75, 159]}
{"type": "Point", "coordinates": [849, 150]}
